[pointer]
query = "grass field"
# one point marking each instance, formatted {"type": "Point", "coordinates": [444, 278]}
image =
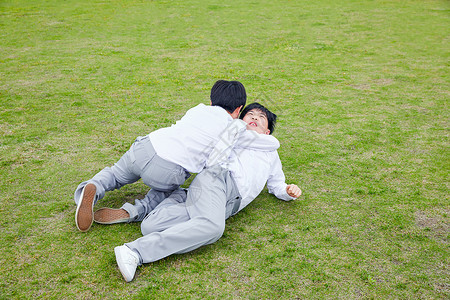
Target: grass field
{"type": "Point", "coordinates": [361, 89]}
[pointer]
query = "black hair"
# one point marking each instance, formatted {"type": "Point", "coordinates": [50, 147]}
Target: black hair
{"type": "Point", "coordinates": [271, 117]}
{"type": "Point", "coordinates": [228, 94]}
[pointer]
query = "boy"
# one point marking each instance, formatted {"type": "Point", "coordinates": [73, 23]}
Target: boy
{"type": "Point", "coordinates": [165, 157]}
{"type": "Point", "coordinates": [184, 222]}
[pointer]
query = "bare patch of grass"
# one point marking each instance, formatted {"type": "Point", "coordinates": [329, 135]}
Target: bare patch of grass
{"type": "Point", "coordinates": [435, 223]}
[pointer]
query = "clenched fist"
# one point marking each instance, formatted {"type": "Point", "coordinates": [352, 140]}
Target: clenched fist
{"type": "Point", "coordinates": [293, 190]}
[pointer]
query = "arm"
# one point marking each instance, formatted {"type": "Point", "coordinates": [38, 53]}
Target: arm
{"type": "Point", "coordinates": [276, 183]}
{"type": "Point", "coordinates": [227, 141]}
{"type": "Point", "coordinates": [250, 139]}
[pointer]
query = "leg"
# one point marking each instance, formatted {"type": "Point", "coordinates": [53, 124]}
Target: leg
{"type": "Point", "coordinates": [159, 173]}
{"type": "Point", "coordinates": [151, 201]}
{"type": "Point", "coordinates": [140, 161]}
{"type": "Point", "coordinates": [168, 213]}
{"type": "Point", "coordinates": [111, 178]}
{"type": "Point", "coordinates": [89, 192]}
{"type": "Point", "coordinates": [185, 237]}
{"type": "Point", "coordinates": [137, 212]}
{"type": "Point", "coordinates": [205, 207]}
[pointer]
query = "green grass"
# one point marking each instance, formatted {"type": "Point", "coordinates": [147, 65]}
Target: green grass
{"type": "Point", "coordinates": [361, 89]}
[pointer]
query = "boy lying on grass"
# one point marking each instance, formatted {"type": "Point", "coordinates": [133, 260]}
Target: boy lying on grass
{"type": "Point", "coordinates": [187, 220]}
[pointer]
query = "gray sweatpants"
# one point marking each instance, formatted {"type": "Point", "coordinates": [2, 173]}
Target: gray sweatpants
{"type": "Point", "coordinates": [140, 161]}
{"type": "Point", "coordinates": [178, 226]}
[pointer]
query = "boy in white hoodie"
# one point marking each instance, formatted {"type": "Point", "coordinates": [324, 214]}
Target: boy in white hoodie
{"type": "Point", "coordinates": [165, 157]}
{"type": "Point", "coordinates": [184, 222]}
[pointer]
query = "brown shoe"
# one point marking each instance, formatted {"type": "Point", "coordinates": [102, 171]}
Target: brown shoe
{"type": "Point", "coordinates": [107, 215]}
{"type": "Point", "coordinates": [85, 214]}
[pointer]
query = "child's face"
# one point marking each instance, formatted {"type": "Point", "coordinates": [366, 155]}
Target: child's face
{"type": "Point", "coordinates": [257, 120]}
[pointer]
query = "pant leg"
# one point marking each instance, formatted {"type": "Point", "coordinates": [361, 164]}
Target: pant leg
{"type": "Point", "coordinates": [110, 178]}
{"type": "Point", "coordinates": [169, 214]}
{"type": "Point", "coordinates": [153, 199]}
{"type": "Point", "coordinates": [205, 207]}
{"type": "Point", "coordinates": [158, 173]}
{"type": "Point", "coordinates": [140, 161]}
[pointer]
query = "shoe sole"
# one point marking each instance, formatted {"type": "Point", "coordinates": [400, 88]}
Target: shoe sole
{"type": "Point", "coordinates": [85, 209]}
{"type": "Point", "coordinates": [109, 216]}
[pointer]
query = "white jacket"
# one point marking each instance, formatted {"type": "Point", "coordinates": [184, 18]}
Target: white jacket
{"type": "Point", "coordinates": [189, 142]}
{"type": "Point", "coordinates": [255, 161]}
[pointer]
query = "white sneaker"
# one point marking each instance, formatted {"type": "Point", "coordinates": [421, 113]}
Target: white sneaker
{"type": "Point", "coordinates": [127, 260]}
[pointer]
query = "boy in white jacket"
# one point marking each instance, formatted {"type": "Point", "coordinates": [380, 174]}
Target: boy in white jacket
{"type": "Point", "coordinates": [165, 157]}
{"type": "Point", "coordinates": [184, 222]}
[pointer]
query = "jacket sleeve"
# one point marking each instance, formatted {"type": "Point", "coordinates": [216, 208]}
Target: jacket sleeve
{"type": "Point", "coordinates": [227, 140]}
{"type": "Point", "coordinates": [249, 139]}
{"type": "Point", "coordinates": [276, 183]}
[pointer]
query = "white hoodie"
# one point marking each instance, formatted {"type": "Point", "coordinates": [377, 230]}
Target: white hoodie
{"type": "Point", "coordinates": [255, 161]}
{"type": "Point", "coordinates": [190, 141]}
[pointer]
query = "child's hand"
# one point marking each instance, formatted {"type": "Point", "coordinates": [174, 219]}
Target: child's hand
{"type": "Point", "coordinates": [293, 190]}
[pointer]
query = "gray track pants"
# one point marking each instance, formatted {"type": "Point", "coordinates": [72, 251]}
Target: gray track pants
{"type": "Point", "coordinates": [140, 161]}
{"type": "Point", "coordinates": [184, 222]}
